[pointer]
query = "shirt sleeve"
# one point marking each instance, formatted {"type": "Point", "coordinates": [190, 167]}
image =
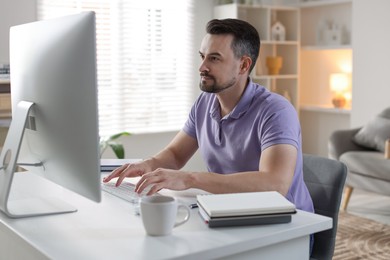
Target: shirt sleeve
{"type": "Point", "coordinates": [281, 127]}
{"type": "Point", "coordinates": [189, 126]}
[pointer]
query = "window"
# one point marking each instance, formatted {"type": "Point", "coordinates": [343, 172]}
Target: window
{"type": "Point", "coordinates": [144, 66]}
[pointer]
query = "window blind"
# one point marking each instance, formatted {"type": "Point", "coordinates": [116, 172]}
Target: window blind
{"type": "Point", "coordinates": [144, 66]}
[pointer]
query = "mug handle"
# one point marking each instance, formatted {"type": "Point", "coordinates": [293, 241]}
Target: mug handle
{"type": "Point", "coordinates": [187, 217]}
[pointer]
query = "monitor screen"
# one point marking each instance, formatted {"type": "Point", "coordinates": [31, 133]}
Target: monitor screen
{"type": "Point", "coordinates": [54, 129]}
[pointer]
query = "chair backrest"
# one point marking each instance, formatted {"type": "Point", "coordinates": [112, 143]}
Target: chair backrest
{"type": "Point", "coordinates": [325, 180]}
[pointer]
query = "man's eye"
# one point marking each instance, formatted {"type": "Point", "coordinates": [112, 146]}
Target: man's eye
{"type": "Point", "coordinates": [214, 58]}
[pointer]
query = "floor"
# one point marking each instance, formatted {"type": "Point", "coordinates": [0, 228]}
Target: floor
{"type": "Point", "coordinates": [370, 205]}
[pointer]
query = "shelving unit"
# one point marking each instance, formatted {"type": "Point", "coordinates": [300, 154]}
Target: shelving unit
{"type": "Point", "coordinates": [5, 99]}
{"type": "Point", "coordinates": [322, 3]}
{"type": "Point", "coordinates": [318, 59]}
{"type": "Point", "coordinates": [262, 18]}
{"type": "Point", "coordinates": [4, 81]}
{"type": "Point", "coordinates": [5, 109]}
{"type": "Point", "coordinates": [316, 14]}
{"type": "Point", "coordinates": [326, 109]}
{"type": "Point", "coordinates": [309, 58]}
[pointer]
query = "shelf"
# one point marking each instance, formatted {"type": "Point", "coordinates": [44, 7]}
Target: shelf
{"type": "Point", "coordinates": [280, 42]}
{"type": "Point", "coordinates": [325, 47]}
{"type": "Point", "coordinates": [325, 109]}
{"type": "Point", "coordinates": [5, 81]}
{"type": "Point", "coordinates": [262, 6]}
{"type": "Point", "coordinates": [5, 123]}
{"type": "Point", "coordinates": [319, 21]}
{"type": "Point", "coordinates": [309, 4]}
{"type": "Point", "coordinates": [289, 54]}
{"type": "Point", "coordinates": [320, 54]}
{"type": "Point", "coordinates": [292, 76]}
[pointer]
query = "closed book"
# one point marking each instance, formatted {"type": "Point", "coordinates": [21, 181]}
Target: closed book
{"type": "Point", "coordinates": [244, 204]}
{"type": "Point", "coordinates": [263, 219]}
{"type": "Point", "coordinates": [108, 165]}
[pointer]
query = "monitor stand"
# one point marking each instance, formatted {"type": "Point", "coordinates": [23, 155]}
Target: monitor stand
{"type": "Point", "coordinates": [19, 208]}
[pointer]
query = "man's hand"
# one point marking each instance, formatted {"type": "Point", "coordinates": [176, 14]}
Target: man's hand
{"type": "Point", "coordinates": [128, 170]}
{"type": "Point", "coordinates": [164, 178]}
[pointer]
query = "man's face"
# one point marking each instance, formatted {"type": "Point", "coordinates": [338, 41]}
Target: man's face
{"type": "Point", "coordinates": [219, 68]}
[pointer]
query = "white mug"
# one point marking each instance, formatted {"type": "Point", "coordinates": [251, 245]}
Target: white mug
{"type": "Point", "coordinates": [159, 214]}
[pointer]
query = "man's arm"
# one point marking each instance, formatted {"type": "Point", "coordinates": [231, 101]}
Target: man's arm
{"type": "Point", "coordinates": [276, 171]}
{"type": "Point", "coordinates": [174, 156]}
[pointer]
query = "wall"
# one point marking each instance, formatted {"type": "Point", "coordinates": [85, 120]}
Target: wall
{"type": "Point", "coordinates": [317, 126]}
{"type": "Point", "coordinates": [13, 12]}
{"type": "Point", "coordinates": [371, 56]}
{"type": "Point", "coordinates": [143, 146]}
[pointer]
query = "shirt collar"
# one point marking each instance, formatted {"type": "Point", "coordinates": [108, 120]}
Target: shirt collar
{"type": "Point", "coordinates": [241, 107]}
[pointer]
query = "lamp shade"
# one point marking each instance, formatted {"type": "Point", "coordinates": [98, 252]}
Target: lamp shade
{"type": "Point", "coordinates": [339, 82]}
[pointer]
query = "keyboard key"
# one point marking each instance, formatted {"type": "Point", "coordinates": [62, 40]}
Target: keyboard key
{"type": "Point", "coordinates": [125, 191]}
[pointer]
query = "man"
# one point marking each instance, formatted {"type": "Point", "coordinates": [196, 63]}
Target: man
{"type": "Point", "coordinates": [249, 137]}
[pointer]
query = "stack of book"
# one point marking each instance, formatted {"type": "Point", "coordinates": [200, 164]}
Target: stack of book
{"type": "Point", "coordinates": [4, 72]}
{"type": "Point", "coordinates": [240, 209]}
{"type": "Point", "coordinates": [108, 165]}
{"type": "Point", "coordinates": [5, 96]}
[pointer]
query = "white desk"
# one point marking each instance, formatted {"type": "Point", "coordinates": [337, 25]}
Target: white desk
{"type": "Point", "coordinates": [110, 230]}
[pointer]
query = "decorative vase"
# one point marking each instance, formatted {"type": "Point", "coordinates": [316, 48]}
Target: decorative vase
{"type": "Point", "coordinates": [274, 64]}
{"type": "Point", "coordinates": [339, 101]}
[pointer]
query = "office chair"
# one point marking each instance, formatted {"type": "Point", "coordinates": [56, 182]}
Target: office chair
{"type": "Point", "coordinates": [325, 180]}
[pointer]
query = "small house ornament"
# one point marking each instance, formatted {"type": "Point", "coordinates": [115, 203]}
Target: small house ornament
{"type": "Point", "coordinates": [333, 34]}
{"type": "Point", "coordinates": [278, 32]}
{"type": "Point", "coordinates": [330, 33]}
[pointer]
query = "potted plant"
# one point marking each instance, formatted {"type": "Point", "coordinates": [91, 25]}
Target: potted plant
{"type": "Point", "coordinates": [110, 141]}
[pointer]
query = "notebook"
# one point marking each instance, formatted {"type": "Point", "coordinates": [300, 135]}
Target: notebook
{"type": "Point", "coordinates": [108, 165]}
{"type": "Point", "coordinates": [263, 219]}
{"type": "Point", "coordinates": [244, 204]}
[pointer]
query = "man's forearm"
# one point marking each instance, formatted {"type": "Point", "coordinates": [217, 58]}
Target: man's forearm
{"type": "Point", "coordinates": [240, 182]}
{"type": "Point", "coordinates": [164, 159]}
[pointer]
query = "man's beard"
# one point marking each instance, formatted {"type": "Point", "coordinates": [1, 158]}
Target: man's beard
{"type": "Point", "coordinates": [214, 88]}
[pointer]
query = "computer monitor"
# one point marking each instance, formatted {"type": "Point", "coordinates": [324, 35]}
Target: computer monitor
{"type": "Point", "coordinates": [54, 128]}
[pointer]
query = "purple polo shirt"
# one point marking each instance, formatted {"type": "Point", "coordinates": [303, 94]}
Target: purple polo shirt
{"type": "Point", "coordinates": [234, 143]}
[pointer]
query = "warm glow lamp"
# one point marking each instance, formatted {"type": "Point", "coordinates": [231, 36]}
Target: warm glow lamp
{"type": "Point", "coordinates": [339, 83]}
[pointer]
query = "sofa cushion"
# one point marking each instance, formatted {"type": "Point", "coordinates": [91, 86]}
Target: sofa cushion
{"type": "Point", "coordinates": [385, 113]}
{"type": "Point", "coordinates": [374, 134]}
{"type": "Point", "coordinates": [369, 164]}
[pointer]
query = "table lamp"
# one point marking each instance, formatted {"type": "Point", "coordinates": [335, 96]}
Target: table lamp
{"type": "Point", "coordinates": [339, 85]}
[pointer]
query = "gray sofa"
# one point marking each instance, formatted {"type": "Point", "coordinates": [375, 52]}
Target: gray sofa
{"type": "Point", "coordinates": [362, 151]}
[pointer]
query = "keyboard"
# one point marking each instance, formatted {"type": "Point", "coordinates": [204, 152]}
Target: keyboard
{"type": "Point", "coordinates": [124, 191]}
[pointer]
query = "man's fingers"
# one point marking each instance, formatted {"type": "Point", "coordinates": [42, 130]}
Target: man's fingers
{"type": "Point", "coordinates": [115, 173]}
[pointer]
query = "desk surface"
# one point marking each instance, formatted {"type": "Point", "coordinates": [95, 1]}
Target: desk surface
{"type": "Point", "coordinates": [111, 230]}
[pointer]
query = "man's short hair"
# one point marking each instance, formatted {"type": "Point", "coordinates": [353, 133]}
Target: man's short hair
{"type": "Point", "coordinates": [246, 39]}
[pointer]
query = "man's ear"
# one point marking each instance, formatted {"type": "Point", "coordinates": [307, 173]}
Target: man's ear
{"type": "Point", "coordinates": [246, 63]}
